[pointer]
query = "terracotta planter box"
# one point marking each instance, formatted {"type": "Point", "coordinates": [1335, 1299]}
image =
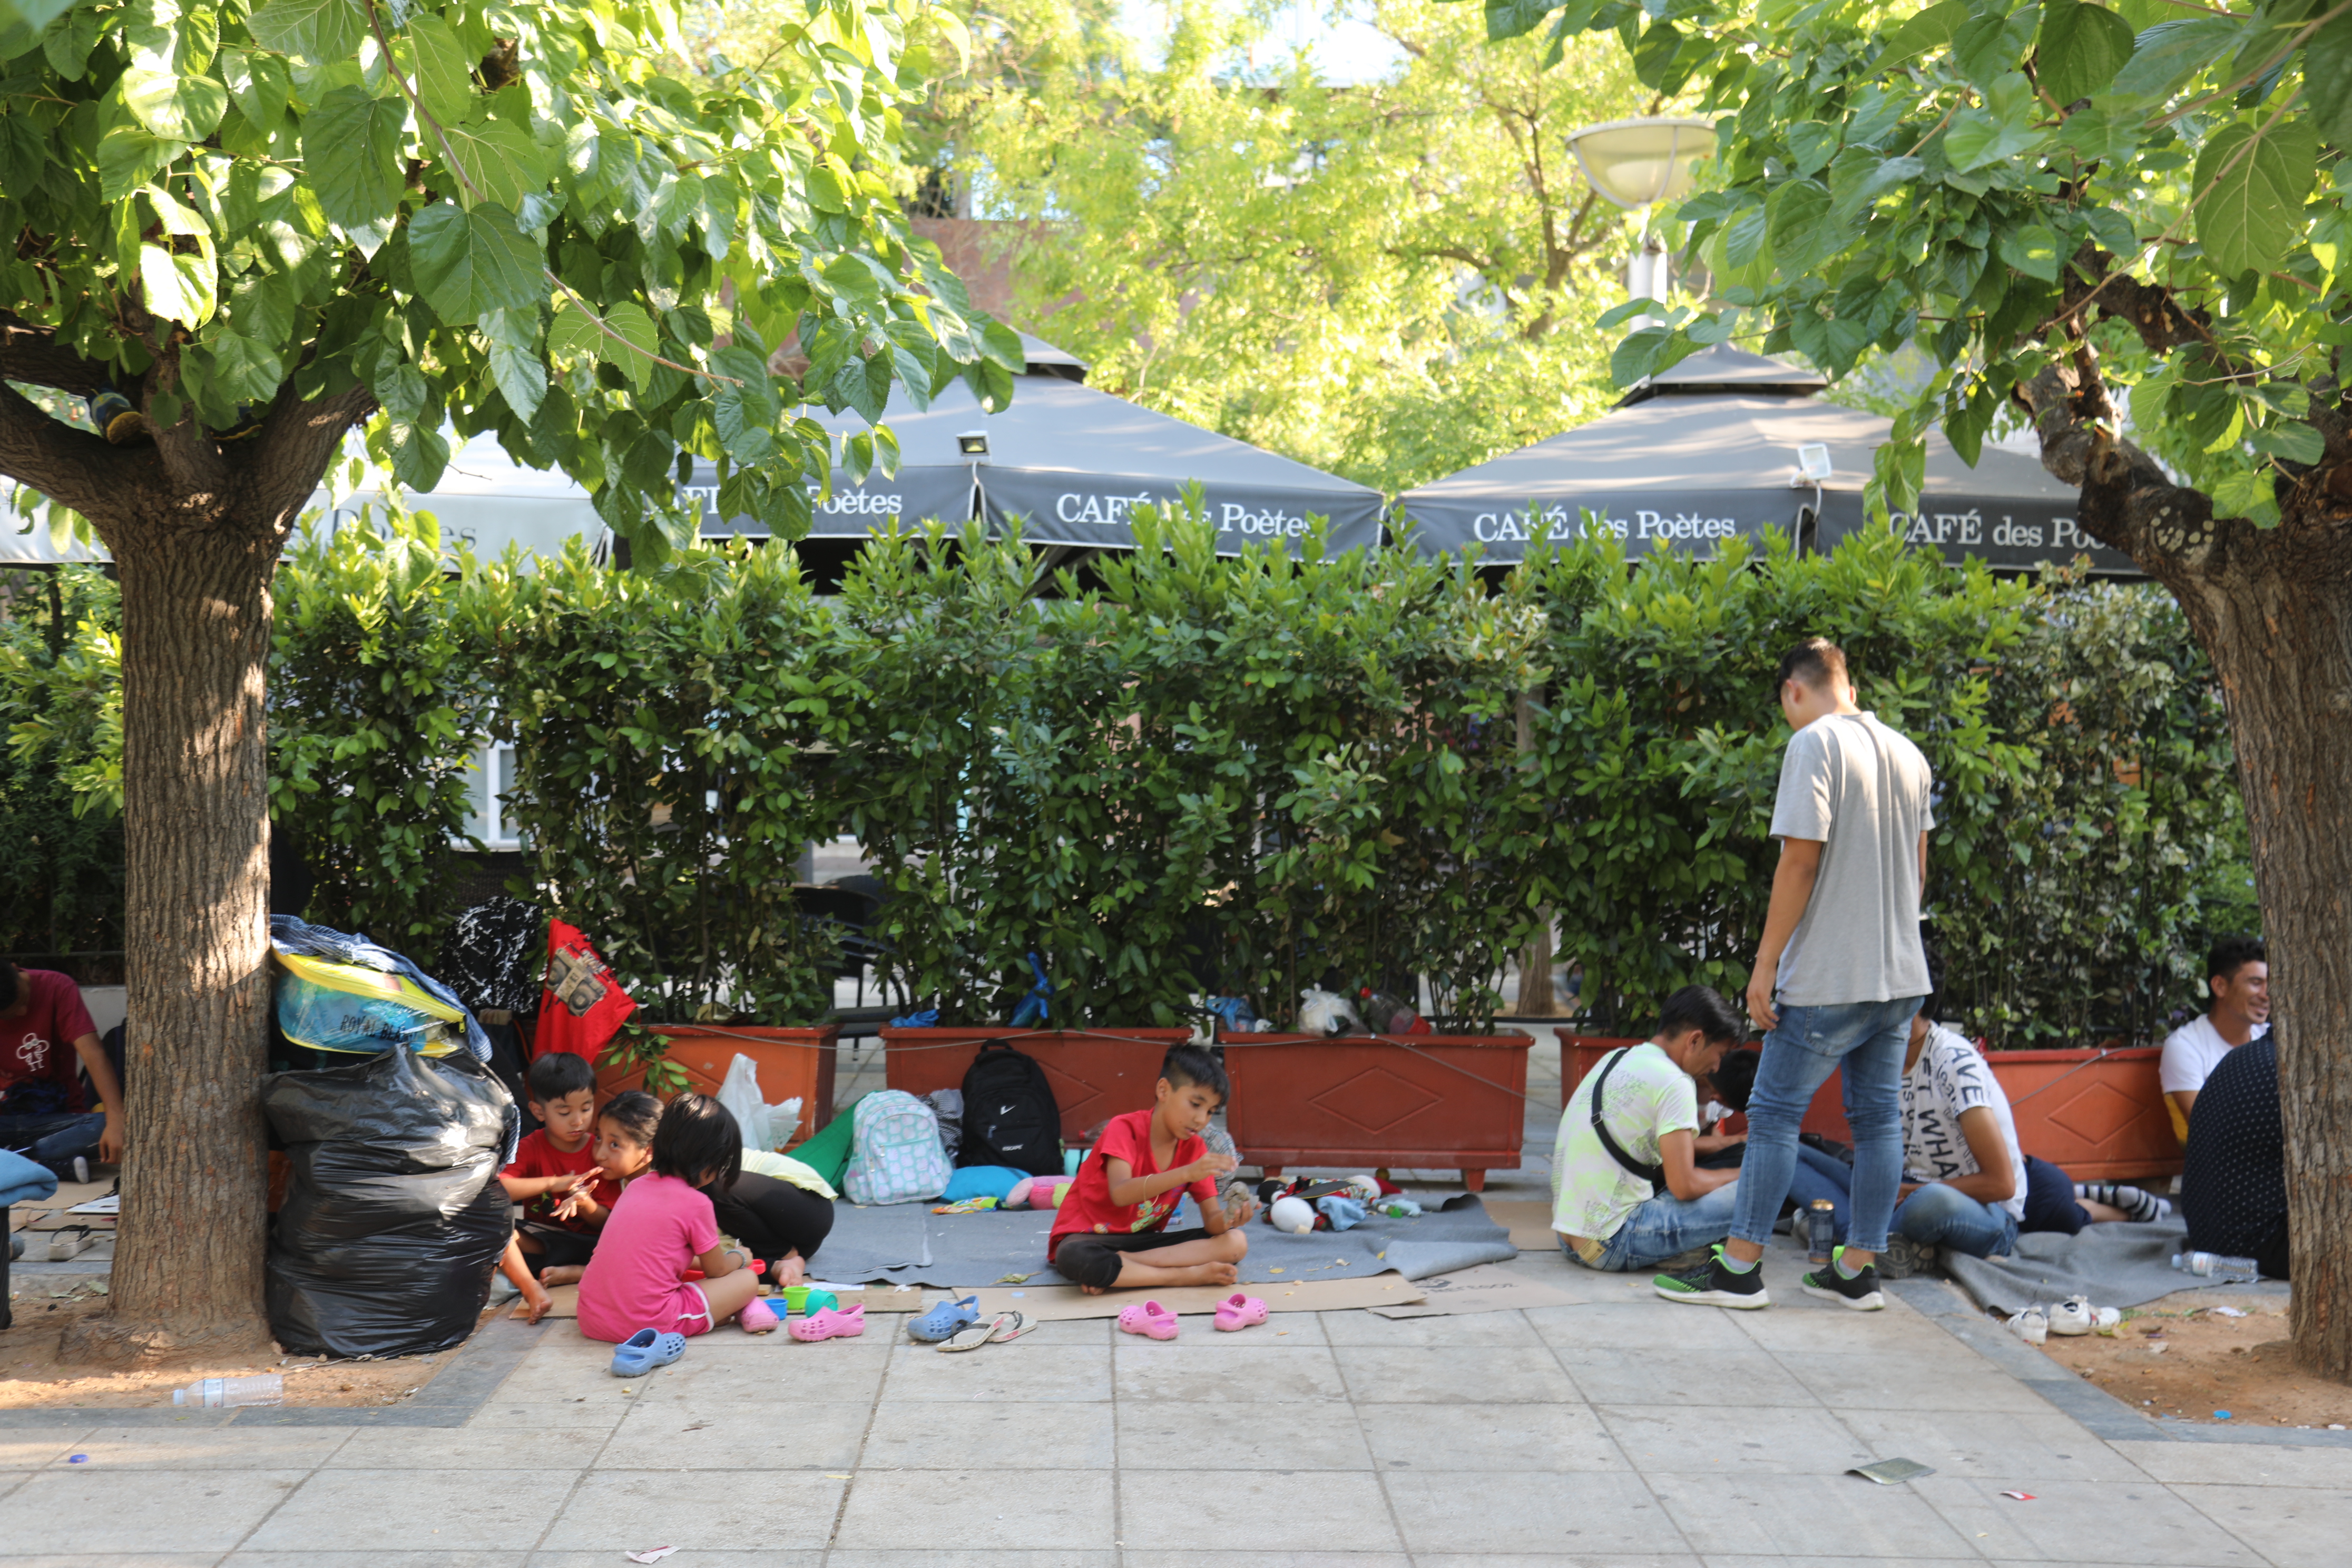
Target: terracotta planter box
{"type": "Point", "coordinates": [2100, 1118]}
{"type": "Point", "coordinates": [790, 1062]}
{"type": "Point", "coordinates": [1096, 1073]}
{"type": "Point", "coordinates": [1414, 1102]}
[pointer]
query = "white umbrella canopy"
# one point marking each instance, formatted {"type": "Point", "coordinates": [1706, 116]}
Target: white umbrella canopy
{"type": "Point", "coordinates": [1711, 451]}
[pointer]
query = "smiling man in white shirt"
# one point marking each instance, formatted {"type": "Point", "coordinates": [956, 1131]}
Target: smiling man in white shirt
{"type": "Point", "coordinates": [2238, 974]}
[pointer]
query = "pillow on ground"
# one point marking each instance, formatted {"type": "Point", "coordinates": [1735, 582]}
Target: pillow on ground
{"type": "Point", "coordinates": [984, 1182]}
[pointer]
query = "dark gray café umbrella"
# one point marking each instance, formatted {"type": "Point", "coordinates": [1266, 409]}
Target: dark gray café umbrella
{"type": "Point", "coordinates": [1710, 450]}
{"type": "Point", "coordinates": [1072, 463]}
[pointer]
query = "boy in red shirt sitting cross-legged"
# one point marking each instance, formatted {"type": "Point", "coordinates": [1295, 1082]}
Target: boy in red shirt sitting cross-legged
{"type": "Point", "coordinates": [1111, 1233]}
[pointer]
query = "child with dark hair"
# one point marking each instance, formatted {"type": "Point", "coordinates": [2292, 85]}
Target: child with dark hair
{"type": "Point", "coordinates": [635, 1281]}
{"type": "Point", "coordinates": [1111, 1231]}
{"type": "Point", "coordinates": [554, 1172]}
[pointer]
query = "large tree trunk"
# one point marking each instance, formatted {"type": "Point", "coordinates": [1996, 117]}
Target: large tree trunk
{"type": "Point", "coordinates": [189, 1245]}
{"type": "Point", "coordinates": [2281, 643]}
{"type": "Point", "coordinates": [2272, 610]}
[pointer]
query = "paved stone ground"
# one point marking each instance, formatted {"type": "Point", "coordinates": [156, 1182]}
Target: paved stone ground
{"type": "Point", "coordinates": [1620, 1431]}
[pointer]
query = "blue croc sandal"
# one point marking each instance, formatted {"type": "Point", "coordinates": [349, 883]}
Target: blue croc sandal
{"type": "Point", "coordinates": [645, 1350]}
{"type": "Point", "coordinates": [945, 1320]}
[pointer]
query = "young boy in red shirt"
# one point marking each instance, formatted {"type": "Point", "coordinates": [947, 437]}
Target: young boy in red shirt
{"type": "Point", "coordinates": [45, 1035]}
{"type": "Point", "coordinates": [554, 1171]}
{"type": "Point", "coordinates": [1111, 1233]}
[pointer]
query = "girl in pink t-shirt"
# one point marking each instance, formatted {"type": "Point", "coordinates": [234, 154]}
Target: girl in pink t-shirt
{"type": "Point", "coordinates": [663, 1226]}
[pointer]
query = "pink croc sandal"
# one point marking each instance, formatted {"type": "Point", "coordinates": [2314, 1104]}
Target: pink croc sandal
{"type": "Point", "coordinates": [825, 1323]}
{"type": "Point", "coordinates": [1239, 1311]}
{"type": "Point", "coordinates": [757, 1317]}
{"type": "Point", "coordinates": [1148, 1318]}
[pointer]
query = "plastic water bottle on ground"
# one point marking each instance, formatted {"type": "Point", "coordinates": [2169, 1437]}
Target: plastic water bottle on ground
{"type": "Point", "coordinates": [2213, 1266]}
{"type": "Point", "coordinates": [232, 1392]}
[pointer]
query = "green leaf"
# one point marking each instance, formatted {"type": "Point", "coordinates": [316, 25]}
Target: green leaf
{"type": "Point", "coordinates": [1990, 46]}
{"type": "Point", "coordinates": [744, 409]}
{"type": "Point", "coordinates": [352, 156]}
{"type": "Point", "coordinates": [574, 334]}
{"type": "Point", "coordinates": [1743, 239]}
{"type": "Point", "coordinates": [2250, 190]}
{"type": "Point", "coordinates": [1812, 144]}
{"type": "Point", "coordinates": [2169, 52]}
{"type": "Point", "coordinates": [515, 364]}
{"type": "Point", "coordinates": [180, 108]}
{"type": "Point", "coordinates": [129, 156]}
{"type": "Point", "coordinates": [445, 76]}
{"type": "Point", "coordinates": [1797, 219]}
{"type": "Point", "coordinates": [629, 319]}
{"type": "Point", "coordinates": [419, 456]}
{"type": "Point", "coordinates": [2328, 80]}
{"type": "Point", "coordinates": [245, 370]}
{"type": "Point", "coordinates": [1930, 29]}
{"type": "Point", "coordinates": [1998, 132]}
{"type": "Point", "coordinates": [1515, 19]}
{"type": "Point", "coordinates": [2297, 443]}
{"type": "Point", "coordinates": [468, 262]}
{"type": "Point", "coordinates": [2033, 249]}
{"type": "Point", "coordinates": [68, 39]}
{"type": "Point", "coordinates": [261, 84]}
{"type": "Point", "coordinates": [177, 287]}
{"type": "Point", "coordinates": [322, 31]}
{"type": "Point", "coordinates": [2080, 50]}
{"type": "Point", "coordinates": [499, 162]}
{"type": "Point", "coordinates": [1859, 177]}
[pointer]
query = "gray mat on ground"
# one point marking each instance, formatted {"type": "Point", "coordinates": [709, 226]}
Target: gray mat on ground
{"type": "Point", "coordinates": [907, 1243]}
{"type": "Point", "coordinates": [2112, 1265]}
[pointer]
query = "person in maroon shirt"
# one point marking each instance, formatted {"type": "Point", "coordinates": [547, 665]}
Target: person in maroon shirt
{"type": "Point", "coordinates": [43, 1112]}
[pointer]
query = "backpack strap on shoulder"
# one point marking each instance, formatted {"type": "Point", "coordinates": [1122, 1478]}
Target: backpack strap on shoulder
{"type": "Point", "coordinates": [1653, 1174]}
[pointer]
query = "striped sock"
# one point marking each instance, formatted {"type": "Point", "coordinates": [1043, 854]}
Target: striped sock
{"type": "Point", "coordinates": [2143, 1206]}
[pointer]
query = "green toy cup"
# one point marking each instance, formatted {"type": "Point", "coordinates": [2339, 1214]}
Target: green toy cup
{"type": "Point", "coordinates": [796, 1298]}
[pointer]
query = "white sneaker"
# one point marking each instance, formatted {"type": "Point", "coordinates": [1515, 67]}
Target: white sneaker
{"type": "Point", "coordinates": [81, 1168]}
{"type": "Point", "coordinates": [2076, 1316]}
{"type": "Point", "coordinates": [2032, 1325]}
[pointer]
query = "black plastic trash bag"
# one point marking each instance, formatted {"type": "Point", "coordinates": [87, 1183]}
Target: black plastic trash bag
{"type": "Point", "coordinates": [394, 1218]}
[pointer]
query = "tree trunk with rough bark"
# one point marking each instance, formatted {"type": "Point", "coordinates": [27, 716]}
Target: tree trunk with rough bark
{"type": "Point", "coordinates": [194, 523]}
{"type": "Point", "coordinates": [2272, 610]}
{"type": "Point", "coordinates": [189, 1245]}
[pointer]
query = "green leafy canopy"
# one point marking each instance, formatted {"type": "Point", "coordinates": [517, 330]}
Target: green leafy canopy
{"type": "Point", "coordinates": [532, 219]}
{"type": "Point", "coordinates": [2148, 198]}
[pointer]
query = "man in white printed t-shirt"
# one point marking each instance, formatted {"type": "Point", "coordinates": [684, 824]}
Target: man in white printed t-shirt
{"type": "Point", "coordinates": [2238, 973]}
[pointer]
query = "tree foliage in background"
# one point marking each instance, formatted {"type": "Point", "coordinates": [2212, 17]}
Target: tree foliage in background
{"type": "Point", "coordinates": [61, 771]}
{"type": "Point", "coordinates": [1408, 267]}
{"type": "Point", "coordinates": [376, 713]}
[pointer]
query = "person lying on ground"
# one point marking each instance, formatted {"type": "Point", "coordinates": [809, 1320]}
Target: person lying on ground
{"type": "Point", "coordinates": [45, 1033]}
{"type": "Point", "coordinates": [1627, 1192]}
{"type": "Point", "coordinates": [1111, 1230]}
{"type": "Point", "coordinates": [2238, 978]}
{"type": "Point", "coordinates": [554, 1171]}
{"type": "Point", "coordinates": [663, 1227]}
{"type": "Point", "coordinates": [2233, 1186]}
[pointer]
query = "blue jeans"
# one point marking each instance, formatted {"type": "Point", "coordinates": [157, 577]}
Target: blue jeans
{"type": "Point", "coordinates": [1934, 1215]}
{"type": "Point", "coordinates": [54, 1140]}
{"type": "Point", "coordinates": [1868, 1039]}
{"type": "Point", "coordinates": [1663, 1227]}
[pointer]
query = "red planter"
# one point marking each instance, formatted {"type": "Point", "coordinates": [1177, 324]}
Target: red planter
{"type": "Point", "coordinates": [1096, 1073]}
{"type": "Point", "coordinates": [1417, 1101]}
{"type": "Point", "coordinates": [2101, 1116]}
{"type": "Point", "coordinates": [790, 1062]}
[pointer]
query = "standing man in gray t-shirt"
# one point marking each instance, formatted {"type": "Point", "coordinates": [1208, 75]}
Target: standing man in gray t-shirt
{"type": "Point", "coordinates": [1838, 978]}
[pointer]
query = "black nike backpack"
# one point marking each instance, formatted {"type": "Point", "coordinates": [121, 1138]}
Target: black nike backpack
{"type": "Point", "coordinates": [1009, 1114]}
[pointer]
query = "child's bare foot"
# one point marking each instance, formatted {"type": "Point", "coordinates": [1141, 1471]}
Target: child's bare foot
{"type": "Point", "coordinates": [561, 1274]}
{"type": "Point", "coordinates": [789, 1269]}
{"type": "Point", "coordinates": [536, 1304]}
{"type": "Point", "coordinates": [1214, 1274]}
{"type": "Point", "coordinates": [1091, 1289]}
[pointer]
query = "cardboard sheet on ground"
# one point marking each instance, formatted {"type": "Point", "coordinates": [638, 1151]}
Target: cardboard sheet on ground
{"type": "Point", "coordinates": [1489, 1288]}
{"type": "Point", "coordinates": [880, 1298]}
{"type": "Point", "coordinates": [908, 1244]}
{"type": "Point", "coordinates": [1058, 1303]}
{"type": "Point", "coordinates": [1528, 1223]}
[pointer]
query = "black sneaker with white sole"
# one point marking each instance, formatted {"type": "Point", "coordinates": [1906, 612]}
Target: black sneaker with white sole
{"type": "Point", "coordinates": [1715, 1284]}
{"type": "Point", "coordinates": [1861, 1293]}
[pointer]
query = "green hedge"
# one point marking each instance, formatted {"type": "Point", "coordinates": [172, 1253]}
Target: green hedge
{"type": "Point", "coordinates": [1193, 775]}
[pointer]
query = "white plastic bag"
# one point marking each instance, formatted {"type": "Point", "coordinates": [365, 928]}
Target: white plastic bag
{"type": "Point", "coordinates": [783, 1121]}
{"type": "Point", "coordinates": [1327, 1013]}
{"type": "Point", "coordinates": [739, 1093]}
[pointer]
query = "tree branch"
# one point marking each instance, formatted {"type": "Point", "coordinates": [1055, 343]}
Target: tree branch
{"type": "Point", "coordinates": [32, 354]}
{"type": "Point", "coordinates": [191, 456]}
{"type": "Point", "coordinates": [297, 440]}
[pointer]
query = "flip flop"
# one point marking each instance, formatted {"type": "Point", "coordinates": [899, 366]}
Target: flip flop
{"type": "Point", "coordinates": [1004, 1326]}
{"type": "Point", "coordinates": [1149, 1318]}
{"type": "Point", "coordinates": [1239, 1311]}
{"type": "Point", "coordinates": [945, 1319]}
{"type": "Point", "coordinates": [645, 1350]}
{"type": "Point", "coordinates": [824, 1323]}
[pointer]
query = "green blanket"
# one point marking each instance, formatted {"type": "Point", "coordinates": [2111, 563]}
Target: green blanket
{"type": "Point", "coordinates": [828, 1150]}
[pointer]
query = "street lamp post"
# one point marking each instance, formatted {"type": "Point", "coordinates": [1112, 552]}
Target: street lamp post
{"type": "Point", "coordinates": [1635, 164]}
